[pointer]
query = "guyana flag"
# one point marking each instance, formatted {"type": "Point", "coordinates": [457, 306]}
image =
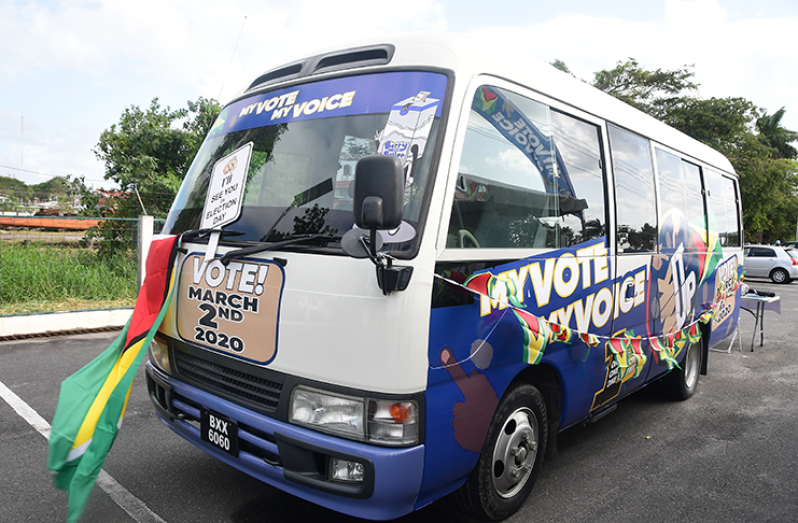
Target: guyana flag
{"type": "Point", "coordinates": [92, 401]}
{"type": "Point", "coordinates": [536, 335]}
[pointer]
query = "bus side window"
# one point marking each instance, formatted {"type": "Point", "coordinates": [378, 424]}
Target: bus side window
{"type": "Point", "coordinates": [723, 205]}
{"type": "Point", "coordinates": [635, 197]}
{"type": "Point", "coordinates": [579, 148]}
{"type": "Point", "coordinates": [529, 177]}
{"type": "Point", "coordinates": [503, 197]}
{"type": "Point", "coordinates": [733, 212]}
{"type": "Point", "coordinates": [680, 190]}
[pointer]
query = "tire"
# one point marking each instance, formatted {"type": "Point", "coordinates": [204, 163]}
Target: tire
{"type": "Point", "coordinates": [517, 435]}
{"type": "Point", "coordinates": [779, 276]}
{"type": "Point", "coordinates": [682, 382]}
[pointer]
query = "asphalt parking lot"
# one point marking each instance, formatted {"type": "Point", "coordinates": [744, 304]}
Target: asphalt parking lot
{"type": "Point", "coordinates": [729, 454]}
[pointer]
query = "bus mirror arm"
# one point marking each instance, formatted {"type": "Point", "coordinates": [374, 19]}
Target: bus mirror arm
{"type": "Point", "coordinates": [390, 277]}
{"type": "Point", "coordinates": [393, 277]}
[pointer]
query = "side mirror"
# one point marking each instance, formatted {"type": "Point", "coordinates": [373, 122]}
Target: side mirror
{"type": "Point", "coordinates": [378, 203]}
{"type": "Point", "coordinates": [379, 192]}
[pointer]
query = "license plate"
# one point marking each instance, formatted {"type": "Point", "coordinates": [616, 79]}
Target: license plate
{"type": "Point", "coordinates": [219, 431]}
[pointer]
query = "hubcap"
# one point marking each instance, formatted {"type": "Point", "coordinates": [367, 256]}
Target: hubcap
{"type": "Point", "coordinates": [515, 452]}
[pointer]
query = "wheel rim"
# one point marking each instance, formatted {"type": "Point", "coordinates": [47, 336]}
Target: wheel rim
{"type": "Point", "coordinates": [515, 452]}
{"type": "Point", "coordinates": [691, 366]}
{"type": "Point", "coordinates": [779, 276]}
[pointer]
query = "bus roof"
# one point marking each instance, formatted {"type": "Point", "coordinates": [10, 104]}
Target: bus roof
{"type": "Point", "coordinates": [468, 57]}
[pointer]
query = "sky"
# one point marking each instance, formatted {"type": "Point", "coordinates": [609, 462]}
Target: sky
{"type": "Point", "coordinates": [69, 68]}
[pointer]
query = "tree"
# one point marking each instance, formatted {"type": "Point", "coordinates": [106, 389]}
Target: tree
{"type": "Point", "coordinates": [641, 88]}
{"type": "Point", "coordinates": [772, 134]}
{"type": "Point", "coordinates": [768, 181]}
{"type": "Point", "coordinates": [148, 155]}
{"type": "Point", "coordinates": [559, 64]}
{"type": "Point", "coordinates": [722, 123]}
{"type": "Point", "coordinates": [14, 190]}
{"type": "Point", "coordinates": [754, 142]}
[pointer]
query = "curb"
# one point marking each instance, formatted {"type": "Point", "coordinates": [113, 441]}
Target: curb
{"type": "Point", "coordinates": [60, 323]}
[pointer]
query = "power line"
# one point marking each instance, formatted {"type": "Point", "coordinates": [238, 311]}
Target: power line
{"type": "Point", "coordinates": [43, 173]}
{"type": "Point", "coordinates": [28, 170]}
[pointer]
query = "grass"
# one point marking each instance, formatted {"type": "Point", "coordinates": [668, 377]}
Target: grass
{"type": "Point", "coordinates": [44, 278]}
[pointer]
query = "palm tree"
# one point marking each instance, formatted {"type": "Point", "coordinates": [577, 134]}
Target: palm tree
{"type": "Point", "coordinates": [774, 135]}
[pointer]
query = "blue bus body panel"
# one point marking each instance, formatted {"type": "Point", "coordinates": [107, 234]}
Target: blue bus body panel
{"type": "Point", "coordinates": [397, 471]}
{"type": "Point", "coordinates": [476, 352]}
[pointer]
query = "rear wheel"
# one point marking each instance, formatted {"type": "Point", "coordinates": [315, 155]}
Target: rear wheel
{"type": "Point", "coordinates": [682, 382]}
{"type": "Point", "coordinates": [779, 276]}
{"type": "Point", "coordinates": [511, 457]}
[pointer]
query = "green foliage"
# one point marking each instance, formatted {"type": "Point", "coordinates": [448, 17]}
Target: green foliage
{"type": "Point", "coordinates": [14, 189]}
{"type": "Point", "coordinates": [755, 143]}
{"type": "Point", "coordinates": [67, 191]}
{"type": "Point", "coordinates": [720, 123]}
{"type": "Point", "coordinates": [642, 88]}
{"type": "Point", "coordinates": [53, 188]}
{"type": "Point", "coordinates": [772, 134]}
{"type": "Point", "coordinates": [559, 64]}
{"type": "Point", "coordinates": [770, 203]}
{"type": "Point", "coordinates": [148, 154]}
{"type": "Point", "coordinates": [31, 274]}
{"type": "Point", "coordinates": [205, 112]}
{"type": "Point", "coordinates": [112, 238]}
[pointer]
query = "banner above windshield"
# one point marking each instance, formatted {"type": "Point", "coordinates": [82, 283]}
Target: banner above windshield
{"type": "Point", "coordinates": [373, 93]}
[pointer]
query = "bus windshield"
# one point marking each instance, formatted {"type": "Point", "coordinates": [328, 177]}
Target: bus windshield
{"type": "Point", "coordinates": [301, 145]}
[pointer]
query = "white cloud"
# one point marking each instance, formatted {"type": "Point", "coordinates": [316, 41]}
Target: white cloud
{"type": "Point", "coordinates": [72, 66]}
{"type": "Point", "coordinates": [77, 64]}
{"type": "Point", "coordinates": [750, 58]}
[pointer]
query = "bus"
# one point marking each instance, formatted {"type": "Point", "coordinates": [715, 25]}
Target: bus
{"type": "Point", "coordinates": [407, 266]}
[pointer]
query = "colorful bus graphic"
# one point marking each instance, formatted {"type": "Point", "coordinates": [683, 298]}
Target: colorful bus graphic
{"type": "Point", "coordinates": [429, 265]}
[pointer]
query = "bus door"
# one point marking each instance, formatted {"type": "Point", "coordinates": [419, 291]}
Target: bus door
{"type": "Point", "coordinates": [723, 211]}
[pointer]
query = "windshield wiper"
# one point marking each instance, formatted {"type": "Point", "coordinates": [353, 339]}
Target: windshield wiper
{"type": "Point", "coordinates": [263, 247]}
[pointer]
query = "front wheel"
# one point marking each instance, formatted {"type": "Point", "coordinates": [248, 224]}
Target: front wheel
{"type": "Point", "coordinates": [511, 457]}
{"type": "Point", "coordinates": [682, 382]}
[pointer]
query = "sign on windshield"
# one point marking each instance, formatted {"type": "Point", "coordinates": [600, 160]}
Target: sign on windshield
{"type": "Point", "coordinates": [373, 93]}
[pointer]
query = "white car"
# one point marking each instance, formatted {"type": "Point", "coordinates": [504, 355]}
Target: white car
{"type": "Point", "coordinates": [768, 261]}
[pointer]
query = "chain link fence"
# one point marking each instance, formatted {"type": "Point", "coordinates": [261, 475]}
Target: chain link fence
{"type": "Point", "coordinates": [56, 263]}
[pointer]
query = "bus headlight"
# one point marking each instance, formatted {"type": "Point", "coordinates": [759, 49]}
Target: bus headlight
{"type": "Point", "coordinates": [385, 422]}
{"type": "Point", "coordinates": [159, 354]}
{"type": "Point", "coordinates": [326, 412]}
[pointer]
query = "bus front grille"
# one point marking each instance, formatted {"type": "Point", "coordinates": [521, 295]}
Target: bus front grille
{"type": "Point", "coordinates": [229, 383]}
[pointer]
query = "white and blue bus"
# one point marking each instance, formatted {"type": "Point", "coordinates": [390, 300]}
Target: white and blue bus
{"type": "Point", "coordinates": [406, 267]}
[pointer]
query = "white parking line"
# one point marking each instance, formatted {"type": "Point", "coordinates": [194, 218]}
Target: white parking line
{"type": "Point", "coordinates": [23, 409]}
{"type": "Point", "coordinates": [134, 507]}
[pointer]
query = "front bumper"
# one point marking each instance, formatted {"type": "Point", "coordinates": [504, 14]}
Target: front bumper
{"type": "Point", "coordinates": [293, 458]}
